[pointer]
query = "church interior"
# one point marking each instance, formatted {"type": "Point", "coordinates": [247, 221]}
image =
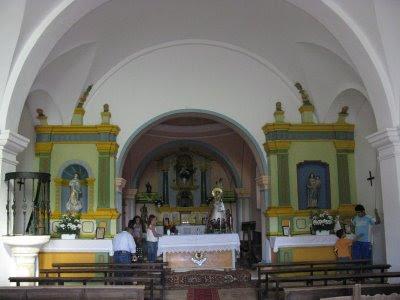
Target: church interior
{"type": "Point", "coordinates": [251, 131]}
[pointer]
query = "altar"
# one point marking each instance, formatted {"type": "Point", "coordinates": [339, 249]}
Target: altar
{"type": "Point", "coordinates": [300, 248]}
{"type": "Point", "coordinates": [199, 252]}
{"type": "Point", "coordinates": [75, 251]}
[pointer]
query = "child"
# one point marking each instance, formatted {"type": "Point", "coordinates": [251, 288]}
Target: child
{"type": "Point", "coordinates": [342, 246]}
{"type": "Point", "coordinates": [152, 239]}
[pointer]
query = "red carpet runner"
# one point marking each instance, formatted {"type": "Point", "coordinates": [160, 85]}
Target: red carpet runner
{"type": "Point", "coordinates": [202, 294]}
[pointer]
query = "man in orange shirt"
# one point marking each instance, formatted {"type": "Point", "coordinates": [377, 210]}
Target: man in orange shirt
{"type": "Point", "coordinates": [342, 246]}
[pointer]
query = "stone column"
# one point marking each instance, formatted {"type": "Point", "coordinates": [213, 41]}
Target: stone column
{"type": "Point", "coordinates": [242, 207]}
{"type": "Point", "coordinates": [128, 205]}
{"type": "Point", "coordinates": [262, 198]}
{"type": "Point", "coordinates": [387, 143]}
{"type": "Point", "coordinates": [11, 144]}
{"type": "Point", "coordinates": [119, 186]}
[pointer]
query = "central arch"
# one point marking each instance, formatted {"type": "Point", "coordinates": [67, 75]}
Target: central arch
{"type": "Point", "coordinates": [258, 153]}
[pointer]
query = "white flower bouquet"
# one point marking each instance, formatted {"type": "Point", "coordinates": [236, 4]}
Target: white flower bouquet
{"type": "Point", "coordinates": [69, 224]}
{"type": "Point", "coordinates": [322, 220]}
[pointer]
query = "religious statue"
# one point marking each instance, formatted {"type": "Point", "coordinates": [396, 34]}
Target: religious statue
{"type": "Point", "coordinates": [74, 204]}
{"type": "Point", "coordinates": [304, 95]}
{"type": "Point", "coordinates": [40, 113]}
{"type": "Point", "coordinates": [313, 188]}
{"type": "Point", "coordinates": [143, 214]}
{"type": "Point", "coordinates": [184, 182]}
{"type": "Point", "coordinates": [278, 106]}
{"type": "Point", "coordinates": [148, 187]}
{"type": "Point", "coordinates": [217, 218]}
{"type": "Point", "coordinates": [106, 108]}
{"type": "Point", "coordinates": [84, 96]}
{"type": "Point", "coordinates": [345, 110]}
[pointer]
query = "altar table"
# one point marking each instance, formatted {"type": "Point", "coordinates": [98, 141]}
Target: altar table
{"type": "Point", "coordinates": [300, 248]}
{"type": "Point", "coordinates": [78, 250]}
{"type": "Point", "coordinates": [194, 252]}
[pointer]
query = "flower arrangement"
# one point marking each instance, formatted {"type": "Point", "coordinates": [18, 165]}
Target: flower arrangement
{"type": "Point", "coordinates": [69, 224]}
{"type": "Point", "coordinates": [322, 221]}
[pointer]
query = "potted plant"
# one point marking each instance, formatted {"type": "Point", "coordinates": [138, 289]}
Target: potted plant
{"type": "Point", "coordinates": [322, 222]}
{"type": "Point", "coordinates": [69, 226]}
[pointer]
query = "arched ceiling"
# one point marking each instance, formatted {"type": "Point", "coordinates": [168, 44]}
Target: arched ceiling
{"type": "Point", "coordinates": [275, 30]}
{"type": "Point", "coordinates": [269, 29]}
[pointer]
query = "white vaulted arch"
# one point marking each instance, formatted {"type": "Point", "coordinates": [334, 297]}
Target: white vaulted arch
{"type": "Point", "coordinates": [34, 53]}
{"type": "Point", "coordinates": [68, 12]}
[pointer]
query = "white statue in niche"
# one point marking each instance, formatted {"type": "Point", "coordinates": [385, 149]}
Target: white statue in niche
{"type": "Point", "coordinates": [74, 203]}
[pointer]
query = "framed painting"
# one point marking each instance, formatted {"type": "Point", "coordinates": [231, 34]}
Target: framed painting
{"type": "Point", "coordinates": [100, 232]}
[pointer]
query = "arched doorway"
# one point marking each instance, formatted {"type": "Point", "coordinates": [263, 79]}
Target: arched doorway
{"type": "Point", "coordinates": [221, 153]}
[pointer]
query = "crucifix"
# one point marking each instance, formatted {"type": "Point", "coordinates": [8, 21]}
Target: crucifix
{"type": "Point", "coordinates": [20, 183]}
{"type": "Point", "coordinates": [370, 178]}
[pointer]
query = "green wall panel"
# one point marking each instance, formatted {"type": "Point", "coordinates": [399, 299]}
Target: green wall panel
{"type": "Point", "coordinates": [343, 178]}
{"type": "Point", "coordinates": [283, 179]}
{"type": "Point", "coordinates": [104, 181]}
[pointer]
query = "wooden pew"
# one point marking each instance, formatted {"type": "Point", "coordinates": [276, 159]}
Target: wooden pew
{"type": "Point", "coordinates": [317, 269]}
{"type": "Point", "coordinates": [337, 277]}
{"type": "Point", "coordinates": [132, 292]}
{"type": "Point", "coordinates": [60, 281]}
{"type": "Point", "coordinates": [318, 292]}
{"type": "Point", "coordinates": [161, 266]}
{"type": "Point", "coordinates": [311, 264]}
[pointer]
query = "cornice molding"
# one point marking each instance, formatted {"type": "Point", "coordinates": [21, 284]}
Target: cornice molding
{"type": "Point", "coordinates": [387, 143]}
{"type": "Point", "coordinates": [120, 184]}
{"type": "Point", "coordinates": [11, 144]}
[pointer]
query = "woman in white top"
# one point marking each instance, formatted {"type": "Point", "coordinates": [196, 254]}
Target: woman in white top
{"type": "Point", "coordinates": [152, 239]}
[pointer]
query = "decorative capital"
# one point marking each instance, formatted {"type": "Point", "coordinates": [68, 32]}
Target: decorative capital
{"type": "Point", "coordinates": [11, 144]}
{"type": "Point", "coordinates": [279, 211]}
{"type": "Point", "coordinates": [43, 148]}
{"type": "Point", "coordinates": [109, 148]}
{"type": "Point", "coordinates": [274, 146]}
{"type": "Point", "coordinates": [263, 182]}
{"type": "Point", "coordinates": [120, 184]}
{"type": "Point", "coordinates": [90, 181]}
{"type": "Point", "coordinates": [130, 193]}
{"type": "Point", "coordinates": [344, 145]}
{"type": "Point", "coordinates": [242, 192]}
{"type": "Point", "coordinates": [387, 142]}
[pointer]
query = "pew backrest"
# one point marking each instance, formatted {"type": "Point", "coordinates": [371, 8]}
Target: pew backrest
{"type": "Point", "coordinates": [73, 292]}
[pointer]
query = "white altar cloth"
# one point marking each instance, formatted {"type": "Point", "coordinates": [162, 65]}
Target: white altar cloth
{"type": "Point", "coordinates": [277, 242]}
{"type": "Point", "coordinates": [79, 245]}
{"type": "Point", "coordinates": [202, 242]}
{"type": "Point", "coordinates": [306, 240]}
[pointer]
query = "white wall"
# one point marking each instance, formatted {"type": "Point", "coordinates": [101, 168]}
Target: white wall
{"type": "Point", "coordinates": [192, 77]}
{"type": "Point", "coordinates": [361, 114]}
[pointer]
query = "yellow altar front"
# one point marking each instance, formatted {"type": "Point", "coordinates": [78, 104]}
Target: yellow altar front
{"type": "Point", "coordinates": [300, 248]}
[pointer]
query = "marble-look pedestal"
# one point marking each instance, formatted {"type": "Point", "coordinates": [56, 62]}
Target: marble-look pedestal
{"type": "Point", "coordinates": [24, 250]}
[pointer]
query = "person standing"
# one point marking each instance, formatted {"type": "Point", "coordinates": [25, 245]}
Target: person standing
{"type": "Point", "coordinates": [152, 239]}
{"type": "Point", "coordinates": [362, 248]}
{"type": "Point", "coordinates": [124, 247]}
{"type": "Point", "coordinates": [137, 228]}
